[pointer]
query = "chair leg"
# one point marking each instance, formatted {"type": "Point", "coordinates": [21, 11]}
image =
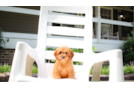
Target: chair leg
{"type": "Point", "coordinates": [29, 65]}
{"type": "Point", "coordinates": [96, 74]}
{"type": "Point", "coordinates": [97, 71]}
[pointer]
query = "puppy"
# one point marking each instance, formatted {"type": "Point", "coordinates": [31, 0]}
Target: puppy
{"type": "Point", "coordinates": [63, 67]}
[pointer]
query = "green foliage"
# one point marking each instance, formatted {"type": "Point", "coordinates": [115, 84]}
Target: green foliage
{"type": "Point", "coordinates": [94, 49]}
{"type": "Point", "coordinates": [73, 49]}
{"type": "Point", "coordinates": [52, 61]}
{"type": "Point", "coordinates": [5, 68]}
{"type": "Point", "coordinates": [128, 51]}
{"type": "Point", "coordinates": [51, 48]}
{"type": "Point", "coordinates": [128, 69]}
{"type": "Point", "coordinates": [91, 71]}
{"type": "Point", "coordinates": [2, 41]}
{"type": "Point", "coordinates": [34, 69]}
{"type": "Point", "coordinates": [78, 63]}
{"type": "Point", "coordinates": [77, 50]}
{"type": "Point", "coordinates": [105, 70]}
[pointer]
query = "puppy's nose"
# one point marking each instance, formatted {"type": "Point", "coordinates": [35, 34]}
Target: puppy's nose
{"type": "Point", "coordinates": [63, 57]}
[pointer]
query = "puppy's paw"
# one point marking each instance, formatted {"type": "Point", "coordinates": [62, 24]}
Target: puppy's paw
{"type": "Point", "coordinates": [71, 75]}
{"type": "Point", "coordinates": [56, 77]}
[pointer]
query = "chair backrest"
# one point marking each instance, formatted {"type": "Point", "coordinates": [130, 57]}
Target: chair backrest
{"type": "Point", "coordinates": [106, 29]}
{"type": "Point", "coordinates": [49, 15]}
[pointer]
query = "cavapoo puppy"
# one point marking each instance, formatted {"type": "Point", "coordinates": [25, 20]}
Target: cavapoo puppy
{"type": "Point", "coordinates": [63, 67]}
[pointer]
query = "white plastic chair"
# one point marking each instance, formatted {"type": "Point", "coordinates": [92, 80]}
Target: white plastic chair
{"type": "Point", "coordinates": [39, 54]}
{"type": "Point", "coordinates": [107, 32]}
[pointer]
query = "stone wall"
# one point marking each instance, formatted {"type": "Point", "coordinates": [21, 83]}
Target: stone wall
{"type": "Point", "coordinates": [105, 63]}
{"type": "Point", "coordinates": [6, 56]}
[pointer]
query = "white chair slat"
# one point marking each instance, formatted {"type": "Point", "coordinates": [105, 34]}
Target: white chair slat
{"type": "Point", "coordinates": [66, 19]}
{"type": "Point", "coordinates": [64, 14]}
{"type": "Point", "coordinates": [65, 31]}
{"type": "Point", "coordinates": [77, 56]}
{"type": "Point", "coordinates": [55, 42]}
{"type": "Point", "coordinates": [66, 37]}
{"type": "Point", "coordinates": [68, 9]}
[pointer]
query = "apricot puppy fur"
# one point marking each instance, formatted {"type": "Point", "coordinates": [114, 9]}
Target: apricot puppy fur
{"type": "Point", "coordinates": [63, 67]}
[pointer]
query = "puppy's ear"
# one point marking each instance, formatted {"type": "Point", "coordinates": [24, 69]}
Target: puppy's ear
{"type": "Point", "coordinates": [55, 54]}
{"type": "Point", "coordinates": [71, 53]}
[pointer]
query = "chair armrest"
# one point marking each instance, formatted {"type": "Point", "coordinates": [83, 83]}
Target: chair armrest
{"type": "Point", "coordinates": [116, 64]}
{"type": "Point", "coordinates": [97, 71]}
{"type": "Point", "coordinates": [115, 33]}
{"type": "Point", "coordinates": [19, 58]}
{"type": "Point", "coordinates": [116, 74]}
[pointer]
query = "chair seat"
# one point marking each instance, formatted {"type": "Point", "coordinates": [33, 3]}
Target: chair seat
{"type": "Point", "coordinates": [60, 83]}
{"type": "Point", "coordinates": [113, 37]}
{"type": "Point", "coordinates": [22, 78]}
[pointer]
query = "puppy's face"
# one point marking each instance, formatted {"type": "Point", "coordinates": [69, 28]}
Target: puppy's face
{"type": "Point", "coordinates": [63, 54]}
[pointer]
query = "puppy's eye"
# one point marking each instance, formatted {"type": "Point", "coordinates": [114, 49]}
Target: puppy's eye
{"type": "Point", "coordinates": [60, 52]}
{"type": "Point", "coordinates": [66, 53]}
